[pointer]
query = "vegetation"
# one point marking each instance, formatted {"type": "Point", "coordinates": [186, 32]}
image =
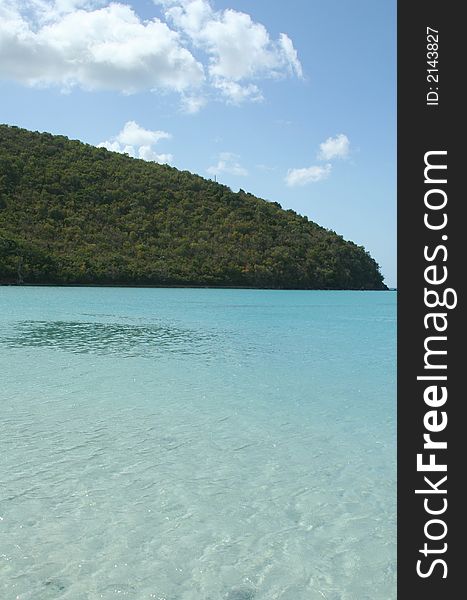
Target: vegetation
{"type": "Point", "coordinates": [73, 213]}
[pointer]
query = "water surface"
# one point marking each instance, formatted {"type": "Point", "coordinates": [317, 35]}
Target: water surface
{"type": "Point", "coordinates": [195, 444]}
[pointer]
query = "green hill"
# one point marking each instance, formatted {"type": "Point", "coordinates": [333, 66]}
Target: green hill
{"type": "Point", "coordinates": [73, 213]}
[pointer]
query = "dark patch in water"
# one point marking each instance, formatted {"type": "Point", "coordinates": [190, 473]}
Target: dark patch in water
{"type": "Point", "coordinates": [293, 514]}
{"type": "Point", "coordinates": [241, 594]}
{"type": "Point", "coordinates": [110, 338]}
{"type": "Point", "coordinates": [55, 584]}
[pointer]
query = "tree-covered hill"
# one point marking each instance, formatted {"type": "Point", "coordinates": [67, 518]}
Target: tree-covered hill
{"type": "Point", "coordinates": [73, 213]}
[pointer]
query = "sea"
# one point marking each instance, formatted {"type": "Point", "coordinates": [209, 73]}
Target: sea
{"type": "Point", "coordinates": [197, 444]}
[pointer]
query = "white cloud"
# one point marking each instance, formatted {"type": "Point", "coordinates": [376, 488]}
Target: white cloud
{"type": "Point", "coordinates": [228, 163]}
{"type": "Point", "coordinates": [192, 103]}
{"type": "Point", "coordinates": [235, 93]}
{"type": "Point", "coordinates": [290, 55]}
{"type": "Point", "coordinates": [138, 142]}
{"type": "Point", "coordinates": [307, 175]}
{"type": "Point", "coordinates": [48, 10]}
{"type": "Point", "coordinates": [104, 48]}
{"type": "Point", "coordinates": [147, 153]}
{"type": "Point", "coordinates": [334, 147]}
{"type": "Point", "coordinates": [238, 49]}
{"type": "Point", "coordinates": [102, 45]}
{"type": "Point", "coordinates": [134, 135]}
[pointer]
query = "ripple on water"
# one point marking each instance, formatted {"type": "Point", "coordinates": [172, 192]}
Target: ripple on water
{"type": "Point", "coordinates": [109, 338]}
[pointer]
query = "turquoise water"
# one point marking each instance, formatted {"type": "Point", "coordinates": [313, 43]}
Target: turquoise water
{"type": "Point", "coordinates": [194, 444]}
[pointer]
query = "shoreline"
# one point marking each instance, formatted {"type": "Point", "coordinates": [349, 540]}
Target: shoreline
{"type": "Point", "coordinates": [193, 286]}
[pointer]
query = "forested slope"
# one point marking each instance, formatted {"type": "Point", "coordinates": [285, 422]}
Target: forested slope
{"type": "Point", "coordinates": [73, 213]}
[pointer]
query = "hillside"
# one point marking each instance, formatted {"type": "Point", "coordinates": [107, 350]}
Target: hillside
{"type": "Point", "coordinates": [73, 213]}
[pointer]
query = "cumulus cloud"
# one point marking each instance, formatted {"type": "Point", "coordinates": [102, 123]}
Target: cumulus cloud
{"type": "Point", "coordinates": [306, 175]}
{"type": "Point", "coordinates": [96, 45]}
{"type": "Point", "coordinates": [238, 49]}
{"type": "Point", "coordinates": [334, 147]}
{"type": "Point", "coordinates": [228, 163]}
{"type": "Point", "coordinates": [138, 142]}
{"type": "Point", "coordinates": [103, 48]}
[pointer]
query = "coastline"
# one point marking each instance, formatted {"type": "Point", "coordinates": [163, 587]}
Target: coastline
{"type": "Point", "coordinates": [193, 286]}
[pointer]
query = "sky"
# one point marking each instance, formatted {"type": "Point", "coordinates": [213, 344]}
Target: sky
{"type": "Point", "coordinates": [292, 101]}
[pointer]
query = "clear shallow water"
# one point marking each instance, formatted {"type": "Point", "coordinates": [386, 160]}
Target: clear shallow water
{"type": "Point", "coordinates": [197, 444]}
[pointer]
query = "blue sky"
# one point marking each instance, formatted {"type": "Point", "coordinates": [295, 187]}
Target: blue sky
{"type": "Point", "coordinates": [307, 119]}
